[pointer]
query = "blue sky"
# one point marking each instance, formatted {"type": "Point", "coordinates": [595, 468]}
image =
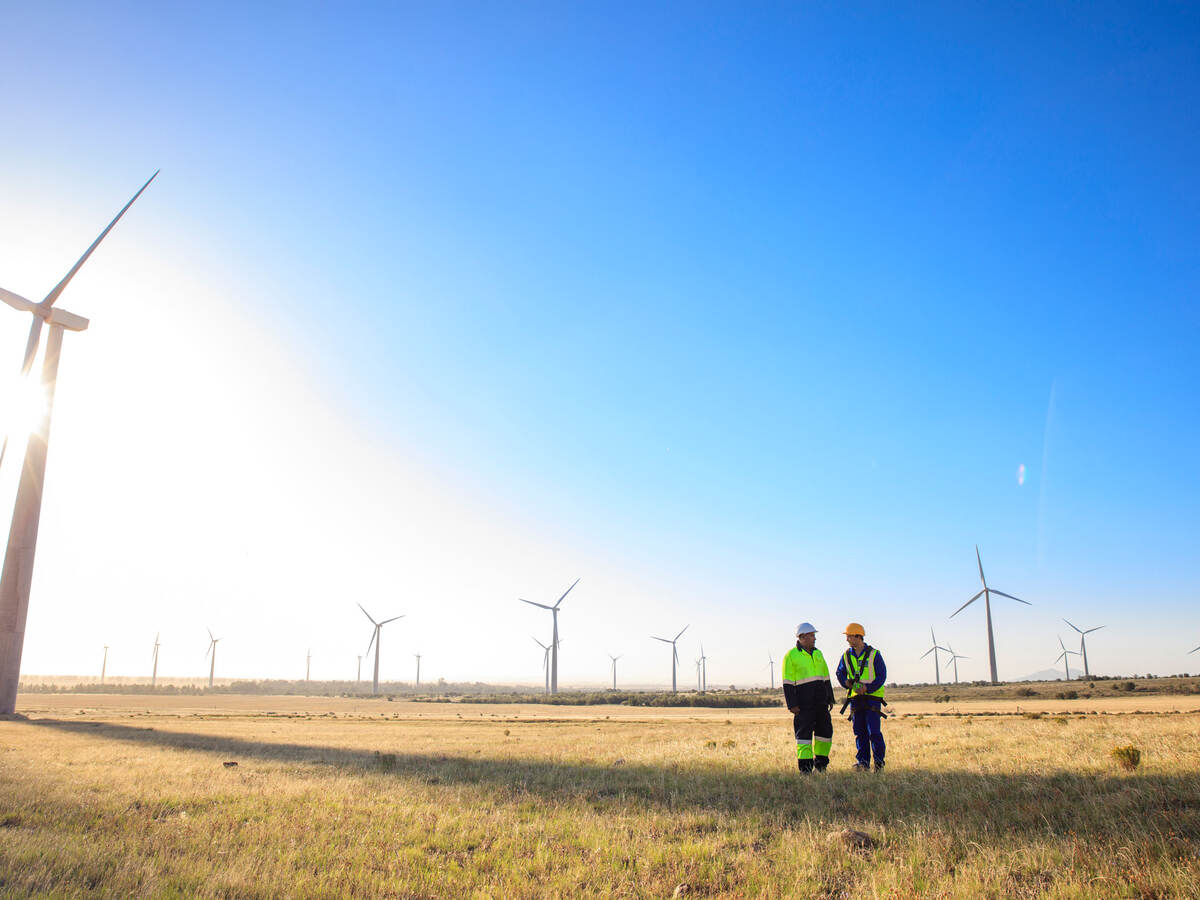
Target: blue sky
{"type": "Point", "coordinates": [753, 311]}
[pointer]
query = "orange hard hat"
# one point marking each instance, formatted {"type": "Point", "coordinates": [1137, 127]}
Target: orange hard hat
{"type": "Point", "coordinates": [855, 628]}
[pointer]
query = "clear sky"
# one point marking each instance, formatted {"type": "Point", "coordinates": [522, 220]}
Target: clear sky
{"type": "Point", "coordinates": [745, 314]}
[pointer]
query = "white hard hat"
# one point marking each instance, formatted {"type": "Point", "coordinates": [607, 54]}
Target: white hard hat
{"type": "Point", "coordinates": [805, 628]}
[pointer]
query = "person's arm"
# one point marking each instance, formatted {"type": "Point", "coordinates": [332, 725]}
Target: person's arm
{"type": "Point", "coordinates": [841, 671]}
{"type": "Point", "coordinates": [790, 692]}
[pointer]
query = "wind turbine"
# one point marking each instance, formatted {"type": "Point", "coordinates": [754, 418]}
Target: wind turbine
{"type": "Point", "coordinates": [376, 637]}
{"type": "Point", "coordinates": [771, 667]}
{"type": "Point", "coordinates": [937, 678]}
{"type": "Point", "coordinates": [703, 670]}
{"type": "Point", "coordinates": [674, 654]}
{"type": "Point", "coordinates": [987, 605]}
{"type": "Point", "coordinates": [418, 656]}
{"type": "Point", "coordinates": [104, 665]}
{"type": "Point", "coordinates": [1193, 650]}
{"type": "Point", "coordinates": [358, 677]}
{"type": "Point", "coordinates": [699, 662]}
{"type": "Point", "coordinates": [308, 664]}
{"type": "Point", "coordinates": [545, 662]}
{"type": "Point", "coordinates": [154, 671]}
{"type": "Point", "coordinates": [954, 658]}
{"type": "Point", "coordinates": [17, 574]}
{"type": "Point", "coordinates": [1064, 657]}
{"type": "Point", "coordinates": [554, 640]}
{"type": "Point", "coordinates": [212, 648]}
{"type": "Point", "coordinates": [614, 668]}
{"type": "Point", "coordinates": [1083, 645]}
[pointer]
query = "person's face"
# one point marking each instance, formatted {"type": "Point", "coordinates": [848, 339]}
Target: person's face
{"type": "Point", "coordinates": [807, 640]}
{"type": "Point", "coordinates": [855, 641]}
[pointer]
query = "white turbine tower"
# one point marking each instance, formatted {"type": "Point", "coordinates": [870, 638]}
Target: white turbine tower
{"type": "Point", "coordinates": [1083, 645]}
{"type": "Point", "coordinates": [104, 665]}
{"type": "Point", "coordinates": [418, 656]}
{"type": "Point", "coordinates": [17, 575]}
{"type": "Point", "coordinates": [987, 605]}
{"type": "Point", "coordinates": [698, 682]}
{"type": "Point", "coordinates": [554, 639]}
{"type": "Point", "coordinates": [376, 637]}
{"type": "Point", "coordinates": [154, 671]}
{"type": "Point", "coordinates": [1064, 657]}
{"type": "Point", "coordinates": [614, 669]}
{"type": "Point", "coordinates": [308, 664]}
{"type": "Point", "coordinates": [674, 654]}
{"type": "Point", "coordinates": [937, 678]}
{"type": "Point", "coordinates": [703, 670]}
{"type": "Point", "coordinates": [212, 649]}
{"type": "Point", "coordinates": [954, 658]}
{"type": "Point", "coordinates": [771, 667]}
{"type": "Point", "coordinates": [358, 677]}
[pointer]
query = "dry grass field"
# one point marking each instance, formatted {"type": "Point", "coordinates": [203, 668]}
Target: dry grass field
{"type": "Point", "coordinates": [132, 796]}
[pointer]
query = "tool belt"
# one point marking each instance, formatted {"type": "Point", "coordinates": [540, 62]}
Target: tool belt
{"type": "Point", "coordinates": [859, 702]}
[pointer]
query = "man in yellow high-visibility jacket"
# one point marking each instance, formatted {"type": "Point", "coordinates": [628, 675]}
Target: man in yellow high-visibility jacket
{"type": "Point", "coordinates": [809, 698]}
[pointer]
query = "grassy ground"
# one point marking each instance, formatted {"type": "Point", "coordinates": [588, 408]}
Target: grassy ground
{"type": "Point", "coordinates": [125, 796]}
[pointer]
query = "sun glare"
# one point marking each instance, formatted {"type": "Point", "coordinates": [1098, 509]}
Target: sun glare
{"type": "Point", "coordinates": [22, 403]}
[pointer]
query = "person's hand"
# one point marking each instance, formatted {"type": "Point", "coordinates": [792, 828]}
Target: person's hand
{"type": "Point", "coordinates": [831, 706]}
{"type": "Point", "coordinates": [794, 710]}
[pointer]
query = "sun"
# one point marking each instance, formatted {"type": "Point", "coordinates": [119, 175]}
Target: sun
{"type": "Point", "coordinates": [22, 406]}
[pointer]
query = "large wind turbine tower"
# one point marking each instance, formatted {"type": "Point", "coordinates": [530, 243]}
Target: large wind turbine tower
{"type": "Point", "coordinates": [674, 654]}
{"type": "Point", "coordinates": [554, 638]}
{"type": "Point", "coordinates": [17, 575]}
{"type": "Point", "coordinates": [1083, 645]}
{"type": "Point", "coordinates": [771, 668]}
{"type": "Point", "coordinates": [376, 637]}
{"type": "Point", "coordinates": [1064, 657]}
{"type": "Point", "coordinates": [937, 678]}
{"type": "Point", "coordinates": [154, 670]}
{"type": "Point", "coordinates": [212, 648]}
{"type": "Point", "coordinates": [614, 669]}
{"type": "Point", "coordinates": [986, 594]}
{"type": "Point", "coordinates": [104, 665]}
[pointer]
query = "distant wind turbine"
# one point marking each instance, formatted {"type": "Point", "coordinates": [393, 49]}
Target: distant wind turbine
{"type": "Point", "coordinates": [937, 678]}
{"type": "Point", "coordinates": [1064, 657]}
{"type": "Point", "coordinates": [154, 671]}
{"type": "Point", "coordinates": [16, 576]}
{"type": "Point", "coordinates": [674, 654]}
{"type": "Point", "coordinates": [358, 677]}
{"type": "Point", "coordinates": [1083, 645]}
{"type": "Point", "coordinates": [376, 638]}
{"type": "Point", "coordinates": [703, 670]}
{"type": "Point", "coordinates": [698, 682]}
{"type": "Point", "coordinates": [554, 639]}
{"type": "Point", "coordinates": [212, 649]}
{"type": "Point", "coordinates": [308, 664]}
{"type": "Point", "coordinates": [771, 667]}
{"type": "Point", "coordinates": [418, 656]}
{"type": "Point", "coordinates": [104, 665]}
{"type": "Point", "coordinates": [987, 605]}
{"type": "Point", "coordinates": [614, 669]}
{"type": "Point", "coordinates": [954, 658]}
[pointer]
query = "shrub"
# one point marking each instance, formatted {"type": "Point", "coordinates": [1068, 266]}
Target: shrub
{"type": "Point", "coordinates": [1128, 757]}
{"type": "Point", "coordinates": [1067, 695]}
{"type": "Point", "coordinates": [1026, 692]}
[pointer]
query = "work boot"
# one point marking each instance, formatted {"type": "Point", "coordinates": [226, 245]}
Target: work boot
{"type": "Point", "coordinates": [805, 765]}
{"type": "Point", "coordinates": [862, 767]}
{"type": "Point", "coordinates": [878, 765]}
{"type": "Point", "coordinates": [821, 763]}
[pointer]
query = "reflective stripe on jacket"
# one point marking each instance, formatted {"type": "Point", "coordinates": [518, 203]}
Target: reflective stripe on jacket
{"type": "Point", "coordinates": [806, 679]}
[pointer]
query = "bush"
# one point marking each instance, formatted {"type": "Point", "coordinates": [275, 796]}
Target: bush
{"type": "Point", "coordinates": [1067, 695]}
{"type": "Point", "coordinates": [1128, 757]}
{"type": "Point", "coordinates": [1026, 692]}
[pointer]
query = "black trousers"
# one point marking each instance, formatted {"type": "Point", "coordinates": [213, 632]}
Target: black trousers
{"type": "Point", "coordinates": [813, 727]}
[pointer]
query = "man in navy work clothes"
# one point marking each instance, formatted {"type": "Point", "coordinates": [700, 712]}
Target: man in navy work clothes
{"type": "Point", "coordinates": [861, 671]}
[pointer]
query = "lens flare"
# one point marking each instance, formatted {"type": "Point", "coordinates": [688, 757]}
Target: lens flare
{"type": "Point", "coordinates": [1021, 473]}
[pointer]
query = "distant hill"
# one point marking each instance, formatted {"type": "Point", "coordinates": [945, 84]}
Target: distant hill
{"type": "Point", "coordinates": [1045, 675]}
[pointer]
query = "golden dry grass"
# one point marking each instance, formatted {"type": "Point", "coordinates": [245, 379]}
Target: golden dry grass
{"type": "Point", "coordinates": [339, 797]}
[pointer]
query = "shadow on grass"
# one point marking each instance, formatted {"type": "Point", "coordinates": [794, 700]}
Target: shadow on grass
{"type": "Point", "coordinates": [1135, 807]}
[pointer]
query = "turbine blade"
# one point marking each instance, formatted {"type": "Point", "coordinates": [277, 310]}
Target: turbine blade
{"type": "Point", "coordinates": [1010, 596]}
{"type": "Point", "coordinates": [1097, 628]}
{"type": "Point", "coordinates": [61, 286]}
{"type": "Point", "coordinates": [567, 591]}
{"type": "Point", "coordinates": [1193, 650]}
{"type": "Point", "coordinates": [367, 614]}
{"type": "Point", "coordinates": [1067, 621]}
{"type": "Point", "coordinates": [980, 561]}
{"type": "Point", "coordinates": [210, 634]}
{"type": "Point", "coordinates": [540, 644]}
{"type": "Point", "coordinates": [927, 652]}
{"type": "Point", "coordinates": [372, 641]}
{"type": "Point", "coordinates": [531, 603]}
{"type": "Point", "coordinates": [31, 345]}
{"type": "Point", "coordinates": [685, 628]}
{"type": "Point", "coordinates": [965, 605]}
{"type": "Point", "coordinates": [392, 619]}
{"type": "Point", "coordinates": [664, 640]}
{"type": "Point", "coordinates": [16, 301]}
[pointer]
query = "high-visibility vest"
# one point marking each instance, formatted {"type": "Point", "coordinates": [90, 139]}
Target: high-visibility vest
{"type": "Point", "coordinates": [801, 667]}
{"type": "Point", "coordinates": [868, 672]}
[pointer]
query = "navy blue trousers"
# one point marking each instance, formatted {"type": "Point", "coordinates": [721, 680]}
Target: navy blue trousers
{"type": "Point", "coordinates": [868, 736]}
